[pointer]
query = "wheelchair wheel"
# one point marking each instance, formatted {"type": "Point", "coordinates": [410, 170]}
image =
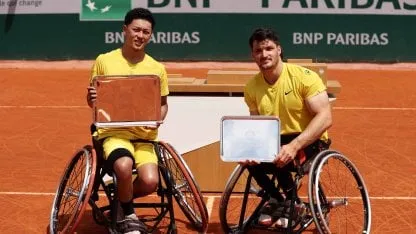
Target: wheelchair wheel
{"type": "Point", "coordinates": [185, 189]}
{"type": "Point", "coordinates": [338, 197]}
{"type": "Point", "coordinates": [73, 192]}
{"type": "Point", "coordinates": [240, 202]}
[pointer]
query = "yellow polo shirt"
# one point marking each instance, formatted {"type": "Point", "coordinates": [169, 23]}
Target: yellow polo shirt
{"type": "Point", "coordinates": [285, 98]}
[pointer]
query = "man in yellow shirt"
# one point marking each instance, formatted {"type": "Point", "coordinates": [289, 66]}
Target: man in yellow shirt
{"type": "Point", "coordinates": [120, 154]}
{"type": "Point", "coordinates": [298, 97]}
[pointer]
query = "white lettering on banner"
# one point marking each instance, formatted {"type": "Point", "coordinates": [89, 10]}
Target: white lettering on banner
{"type": "Point", "coordinates": [307, 38]}
{"type": "Point", "coordinates": [179, 3]}
{"type": "Point", "coordinates": [357, 39]}
{"type": "Point", "coordinates": [369, 7]}
{"type": "Point", "coordinates": [113, 37]}
{"type": "Point", "coordinates": [366, 7]}
{"type": "Point", "coordinates": [175, 38]}
{"type": "Point", "coordinates": [347, 39]}
{"type": "Point", "coordinates": [40, 6]}
{"type": "Point", "coordinates": [158, 38]}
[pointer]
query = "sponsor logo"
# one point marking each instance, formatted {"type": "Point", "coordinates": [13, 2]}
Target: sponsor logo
{"type": "Point", "coordinates": [104, 9]}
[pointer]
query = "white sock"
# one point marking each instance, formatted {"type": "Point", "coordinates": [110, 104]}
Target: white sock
{"type": "Point", "coordinates": [132, 216]}
{"type": "Point", "coordinates": [133, 232]}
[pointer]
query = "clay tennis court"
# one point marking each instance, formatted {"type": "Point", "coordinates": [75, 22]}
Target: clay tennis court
{"type": "Point", "coordinates": [44, 119]}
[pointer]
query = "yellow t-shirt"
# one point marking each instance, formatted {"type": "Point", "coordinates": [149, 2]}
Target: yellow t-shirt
{"type": "Point", "coordinates": [113, 63]}
{"type": "Point", "coordinates": [285, 98]}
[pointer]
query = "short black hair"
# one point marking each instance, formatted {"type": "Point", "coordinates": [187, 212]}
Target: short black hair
{"type": "Point", "coordinates": [139, 13]}
{"type": "Point", "coordinates": [261, 34]}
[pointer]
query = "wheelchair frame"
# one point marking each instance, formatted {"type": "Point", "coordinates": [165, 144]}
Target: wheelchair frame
{"type": "Point", "coordinates": [323, 203]}
{"type": "Point", "coordinates": [87, 170]}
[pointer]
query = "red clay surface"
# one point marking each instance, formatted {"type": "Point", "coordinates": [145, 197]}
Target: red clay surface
{"type": "Point", "coordinates": [45, 119]}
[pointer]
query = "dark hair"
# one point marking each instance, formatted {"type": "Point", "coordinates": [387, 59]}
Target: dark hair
{"type": "Point", "coordinates": [261, 34]}
{"type": "Point", "coordinates": [139, 13]}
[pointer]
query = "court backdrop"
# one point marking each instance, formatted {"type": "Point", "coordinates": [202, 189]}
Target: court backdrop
{"type": "Point", "coordinates": [217, 30]}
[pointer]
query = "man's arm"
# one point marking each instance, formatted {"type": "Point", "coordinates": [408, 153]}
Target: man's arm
{"type": "Point", "coordinates": [163, 111]}
{"type": "Point", "coordinates": [91, 91]}
{"type": "Point", "coordinates": [319, 106]}
{"type": "Point", "coordinates": [164, 106]}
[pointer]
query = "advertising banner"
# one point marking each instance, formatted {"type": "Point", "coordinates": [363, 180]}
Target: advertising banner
{"type": "Point", "coordinates": [327, 30]}
{"type": "Point", "coordinates": [369, 7]}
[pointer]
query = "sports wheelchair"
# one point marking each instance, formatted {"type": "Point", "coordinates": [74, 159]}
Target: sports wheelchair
{"type": "Point", "coordinates": [336, 199]}
{"type": "Point", "coordinates": [86, 178]}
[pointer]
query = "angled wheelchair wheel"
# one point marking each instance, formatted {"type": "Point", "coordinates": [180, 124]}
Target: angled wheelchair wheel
{"type": "Point", "coordinates": [240, 201]}
{"type": "Point", "coordinates": [73, 192]}
{"type": "Point", "coordinates": [338, 197]}
{"type": "Point", "coordinates": [185, 189]}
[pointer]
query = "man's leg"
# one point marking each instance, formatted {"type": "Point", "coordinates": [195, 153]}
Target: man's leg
{"type": "Point", "coordinates": [123, 169]}
{"type": "Point", "coordinates": [260, 174]}
{"type": "Point", "coordinates": [147, 167]}
{"type": "Point", "coordinates": [118, 153]}
{"type": "Point", "coordinates": [286, 181]}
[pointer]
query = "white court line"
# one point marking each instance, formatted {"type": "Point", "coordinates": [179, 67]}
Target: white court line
{"type": "Point", "coordinates": [335, 107]}
{"type": "Point", "coordinates": [375, 108]}
{"type": "Point", "coordinates": [372, 198]}
{"type": "Point", "coordinates": [27, 193]}
{"type": "Point", "coordinates": [210, 205]}
{"type": "Point", "coordinates": [101, 194]}
{"type": "Point", "coordinates": [210, 198]}
{"type": "Point", "coordinates": [43, 107]}
{"type": "Point", "coordinates": [393, 198]}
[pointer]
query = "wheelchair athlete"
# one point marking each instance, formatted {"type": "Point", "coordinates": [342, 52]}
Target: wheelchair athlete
{"type": "Point", "coordinates": [298, 97]}
{"type": "Point", "coordinates": [120, 153]}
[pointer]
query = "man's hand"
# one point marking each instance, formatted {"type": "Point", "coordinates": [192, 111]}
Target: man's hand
{"type": "Point", "coordinates": [153, 127]}
{"type": "Point", "coordinates": [149, 127]}
{"type": "Point", "coordinates": [91, 95]}
{"type": "Point", "coordinates": [248, 163]}
{"type": "Point", "coordinates": [286, 155]}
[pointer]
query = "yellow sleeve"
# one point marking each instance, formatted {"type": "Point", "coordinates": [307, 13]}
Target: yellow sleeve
{"type": "Point", "coordinates": [312, 84]}
{"type": "Point", "coordinates": [164, 88]}
{"type": "Point", "coordinates": [249, 98]}
{"type": "Point", "coordinates": [96, 69]}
